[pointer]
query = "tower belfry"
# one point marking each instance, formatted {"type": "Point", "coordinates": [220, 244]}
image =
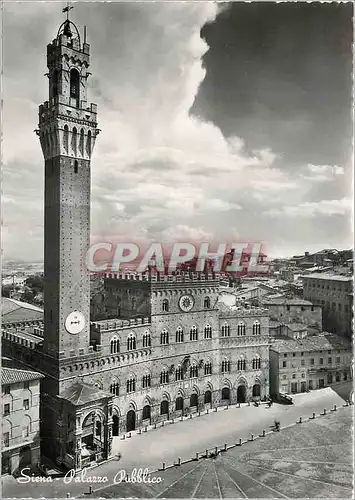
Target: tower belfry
{"type": "Point", "coordinates": [67, 131]}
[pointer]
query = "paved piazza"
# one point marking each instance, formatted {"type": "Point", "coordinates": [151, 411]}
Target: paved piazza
{"type": "Point", "coordinates": [310, 460]}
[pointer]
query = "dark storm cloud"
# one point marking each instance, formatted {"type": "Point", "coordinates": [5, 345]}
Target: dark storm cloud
{"type": "Point", "coordinates": [279, 75]}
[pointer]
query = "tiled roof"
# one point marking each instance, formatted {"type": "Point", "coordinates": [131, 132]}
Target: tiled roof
{"type": "Point", "coordinates": [79, 394]}
{"type": "Point", "coordinates": [13, 376]}
{"type": "Point", "coordinates": [15, 311]}
{"type": "Point", "coordinates": [319, 342]}
{"type": "Point", "coordinates": [9, 305]}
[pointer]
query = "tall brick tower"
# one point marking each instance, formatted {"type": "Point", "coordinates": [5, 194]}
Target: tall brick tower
{"type": "Point", "coordinates": [67, 131]}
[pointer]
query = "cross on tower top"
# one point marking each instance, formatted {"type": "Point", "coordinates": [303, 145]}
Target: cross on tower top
{"type": "Point", "coordinates": [67, 9]}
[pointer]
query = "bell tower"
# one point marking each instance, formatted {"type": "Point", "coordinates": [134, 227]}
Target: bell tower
{"type": "Point", "coordinates": [67, 131]}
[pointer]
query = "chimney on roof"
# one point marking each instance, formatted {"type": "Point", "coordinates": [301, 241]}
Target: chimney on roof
{"type": "Point", "coordinates": [306, 254]}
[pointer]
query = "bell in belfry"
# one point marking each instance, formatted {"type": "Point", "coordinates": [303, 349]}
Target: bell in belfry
{"type": "Point", "coordinates": [66, 31]}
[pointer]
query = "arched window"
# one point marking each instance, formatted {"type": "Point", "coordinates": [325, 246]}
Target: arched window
{"type": "Point", "coordinates": [256, 391]}
{"type": "Point", "coordinates": [194, 333]}
{"type": "Point", "coordinates": [194, 371]}
{"type": "Point", "coordinates": [147, 341]}
{"type": "Point", "coordinates": [81, 142]}
{"type": "Point", "coordinates": [179, 403]}
{"type": "Point", "coordinates": [115, 345]}
{"type": "Point", "coordinates": [74, 87]}
{"type": "Point", "coordinates": [179, 334]}
{"type": "Point", "coordinates": [66, 138]}
{"type": "Point", "coordinates": [208, 332]}
{"type": "Point", "coordinates": [131, 384]}
{"type": "Point", "coordinates": [207, 303]}
{"type": "Point", "coordinates": [179, 374]}
{"type": "Point", "coordinates": [241, 328]}
{"type": "Point", "coordinates": [226, 393]}
{"type": "Point", "coordinates": [208, 368]}
{"type": "Point", "coordinates": [241, 364]}
{"type": "Point", "coordinates": [165, 305]}
{"type": "Point", "coordinates": [74, 140]}
{"type": "Point", "coordinates": [208, 397]}
{"type": "Point", "coordinates": [164, 377]}
{"type": "Point", "coordinates": [226, 366]}
{"type": "Point", "coordinates": [164, 408]}
{"type": "Point", "coordinates": [146, 412]}
{"type": "Point", "coordinates": [226, 330]}
{"type": "Point", "coordinates": [131, 342]}
{"type": "Point", "coordinates": [115, 388]}
{"type": "Point", "coordinates": [256, 328]}
{"type": "Point", "coordinates": [164, 337]}
{"type": "Point", "coordinates": [55, 83]}
{"type": "Point", "coordinates": [76, 166]}
{"type": "Point", "coordinates": [146, 381]}
{"type": "Point", "coordinates": [194, 400]}
{"type": "Point", "coordinates": [256, 363]}
{"type": "Point", "coordinates": [88, 144]}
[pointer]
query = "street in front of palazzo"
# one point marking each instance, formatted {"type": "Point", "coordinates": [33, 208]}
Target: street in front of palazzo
{"type": "Point", "coordinates": [184, 439]}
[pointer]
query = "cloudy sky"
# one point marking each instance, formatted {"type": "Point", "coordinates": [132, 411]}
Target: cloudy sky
{"type": "Point", "coordinates": [229, 122]}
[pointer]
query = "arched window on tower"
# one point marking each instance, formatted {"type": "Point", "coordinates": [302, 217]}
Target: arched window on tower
{"type": "Point", "coordinates": [55, 83]}
{"type": "Point", "coordinates": [74, 88]}
{"type": "Point", "coordinates": [88, 144]}
{"type": "Point", "coordinates": [66, 138]}
{"type": "Point", "coordinates": [74, 140]}
{"type": "Point", "coordinates": [81, 142]}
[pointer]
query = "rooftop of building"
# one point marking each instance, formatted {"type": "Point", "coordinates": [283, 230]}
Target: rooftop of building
{"type": "Point", "coordinates": [240, 310]}
{"type": "Point", "coordinates": [296, 327]}
{"type": "Point", "coordinates": [279, 301]}
{"type": "Point", "coordinates": [14, 376]}
{"type": "Point", "coordinates": [13, 311]}
{"type": "Point", "coordinates": [322, 342]}
{"type": "Point", "coordinates": [80, 394]}
{"type": "Point", "coordinates": [9, 305]}
{"type": "Point", "coordinates": [330, 276]}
